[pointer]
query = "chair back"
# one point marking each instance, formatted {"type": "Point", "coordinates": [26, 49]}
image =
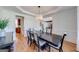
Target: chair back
{"type": "Point", "coordinates": [58, 40]}
{"type": "Point", "coordinates": [35, 37]}
{"type": "Point", "coordinates": [28, 35]}
{"type": "Point", "coordinates": [62, 40]}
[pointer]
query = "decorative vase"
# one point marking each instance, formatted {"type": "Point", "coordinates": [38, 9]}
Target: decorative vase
{"type": "Point", "coordinates": [2, 33]}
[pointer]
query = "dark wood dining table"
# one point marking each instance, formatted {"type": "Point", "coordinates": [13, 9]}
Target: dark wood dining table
{"type": "Point", "coordinates": [53, 39]}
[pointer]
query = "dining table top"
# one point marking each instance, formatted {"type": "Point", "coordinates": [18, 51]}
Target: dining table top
{"type": "Point", "coordinates": [49, 38]}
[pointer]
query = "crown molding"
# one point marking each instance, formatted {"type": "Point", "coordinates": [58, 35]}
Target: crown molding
{"type": "Point", "coordinates": [53, 11]}
{"type": "Point", "coordinates": [18, 7]}
{"type": "Point", "coordinates": [45, 14]}
{"type": "Point", "coordinates": [50, 12]}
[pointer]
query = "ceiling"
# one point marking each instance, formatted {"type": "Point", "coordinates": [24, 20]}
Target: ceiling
{"type": "Point", "coordinates": [34, 10]}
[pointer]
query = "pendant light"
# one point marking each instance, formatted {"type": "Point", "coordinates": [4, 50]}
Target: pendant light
{"type": "Point", "coordinates": [39, 16]}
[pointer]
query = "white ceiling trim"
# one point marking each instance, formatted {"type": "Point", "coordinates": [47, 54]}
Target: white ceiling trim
{"type": "Point", "coordinates": [25, 11]}
{"type": "Point", "coordinates": [53, 11]}
{"type": "Point", "coordinates": [45, 14]}
{"type": "Point", "coordinates": [50, 12]}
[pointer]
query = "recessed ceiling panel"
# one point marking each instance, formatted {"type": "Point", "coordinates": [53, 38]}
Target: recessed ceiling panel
{"type": "Point", "coordinates": [35, 9]}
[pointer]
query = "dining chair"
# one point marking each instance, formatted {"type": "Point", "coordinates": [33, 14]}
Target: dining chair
{"type": "Point", "coordinates": [30, 37]}
{"type": "Point", "coordinates": [39, 43]}
{"type": "Point", "coordinates": [59, 40]}
{"type": "Point", "coordinates": [7, 43]}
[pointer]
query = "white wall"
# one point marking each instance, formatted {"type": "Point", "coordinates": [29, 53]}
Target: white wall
{"type": "Point", "coordinates": [77, 28]}
{"type": "Point", "coordinates": [66, 21]}
{"type": "Point", "coordinates": [11, 25]}
{"type": "Point", "coordinates": [28, 20]}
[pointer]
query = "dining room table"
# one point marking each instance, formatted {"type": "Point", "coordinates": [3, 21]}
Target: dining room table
{"type": "Point", "coordinates": [53, 39]}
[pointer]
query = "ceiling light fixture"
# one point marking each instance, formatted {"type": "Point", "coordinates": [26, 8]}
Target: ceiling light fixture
{"type": "Point", "coordinates": [39, 16]}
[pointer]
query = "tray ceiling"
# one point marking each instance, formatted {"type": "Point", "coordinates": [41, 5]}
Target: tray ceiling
{"type": "Point", "coordinates": [34, 10]}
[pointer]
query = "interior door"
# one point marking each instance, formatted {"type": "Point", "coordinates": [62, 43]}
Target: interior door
{"type": "Point", "coordinates": [18, 28]}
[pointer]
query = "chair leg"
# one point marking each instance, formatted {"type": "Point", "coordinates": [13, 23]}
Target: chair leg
{"type": "Point", "coordinates": [61, 50]}
{"type": "Point", "coordinates": [28, 41]}
{"type": "Point", "coordinates": [38, 49]}
{"type": "Point", "coordinates": [34, 44]}
{"type": "Point", "coordinates": [9, 50]}
{"type": "Point", "coordinates": [49, 49]}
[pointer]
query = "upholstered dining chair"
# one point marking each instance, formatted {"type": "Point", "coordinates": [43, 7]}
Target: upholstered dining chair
{"type": "Point", "coordinates": [30, 37]}
{"type": "Point", "coordinates": [39, 43]}
{"type": "Point", "coordinates": [59, 40]}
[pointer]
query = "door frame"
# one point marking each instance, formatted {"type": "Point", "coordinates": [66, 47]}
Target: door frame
{"type": "Point", "coordinates": [21, 23]}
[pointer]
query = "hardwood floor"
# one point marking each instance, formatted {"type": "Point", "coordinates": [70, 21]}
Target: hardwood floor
{"type": "Point", "coordinates": [22, 46]}
{"type": "Point", "coordinates": [69, 47]}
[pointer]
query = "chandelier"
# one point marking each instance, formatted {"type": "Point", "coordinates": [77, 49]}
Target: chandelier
{"type": "Point", "coordinates": [39, 16]}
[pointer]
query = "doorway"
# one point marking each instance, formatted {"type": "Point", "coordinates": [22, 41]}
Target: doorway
{"type": "Point", "coordinates": [20, 24]}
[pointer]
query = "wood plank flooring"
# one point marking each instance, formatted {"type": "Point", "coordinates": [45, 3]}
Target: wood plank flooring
{"type": "Point", "coordinates": [22, 46]}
